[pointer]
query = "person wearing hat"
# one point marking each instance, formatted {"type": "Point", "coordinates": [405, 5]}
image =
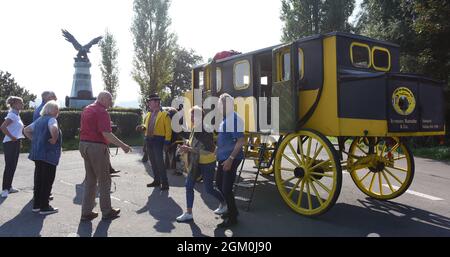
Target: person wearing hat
{"type": "Point", "coordinates": [158, 133]}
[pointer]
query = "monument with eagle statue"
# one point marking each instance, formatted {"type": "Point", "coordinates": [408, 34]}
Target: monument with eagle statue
{"type": "Point", "coordinates": [81, 94]}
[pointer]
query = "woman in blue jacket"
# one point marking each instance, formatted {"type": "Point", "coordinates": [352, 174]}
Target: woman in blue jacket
{"type": "Point", "coordinates": [46, 141]}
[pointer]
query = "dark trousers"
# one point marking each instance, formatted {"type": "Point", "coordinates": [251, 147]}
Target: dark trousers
{"type": "Point", "coordinates": [155, 155]}
{"type": "Point", "coordinates": [12, 151]}
{"type": "Point", "coordinates": [44, 178]}
{"type": "Point", "coordinates": [225, 181]}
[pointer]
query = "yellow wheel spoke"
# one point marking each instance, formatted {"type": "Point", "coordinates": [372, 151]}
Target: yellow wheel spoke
{"type": "Point", "coordinates": [321, 174]}
{"type": "Point", "coordinates": [316, 154]}
{"type": "Point", "coordinates": [380, 182]}
{"type": "Point", "coordinates": [287, 169]}
{"type": "Point", "coordinates": [388, 182]}
{"type": "Point", "coordinates": [400, 169]}
{"type": "Point", "coordinates": [399, 158]}
{"type": "Point", "coordinates": [302, 186]}
{"type": "Point", "coordinates": [289, 179]}
{"type": "Point", "coordinates": [300, 147]}
{"type": "Point", "coordinates": [390, 173]}
{"type": "Point", "coordinates": [320, 164]}
{"type": "Point", "coordinates": [321, 184]}
{"type": "Point", "coordinates": [371, 182]}
{"type": "Point", "coordinates": [309, 196]}
{"type": "Point", "coordinates": [293, 188]}
{"type": "Point", "coordinates": [362, 150]}
{"type": "Point", "coordinates": [295, 154]}
{"type": "Point", "coordinates": [308, 149]}
{"type": "Point", "coordinates": [317, 193]}
{"type": "Point", "coordinates": [290, 160]}
{"type": "Point", "coordinates": [383, 150]}
{"type": "Point", "coordinates": [365, 176]}
{"type": "Point", "coordinates": [394, 148]}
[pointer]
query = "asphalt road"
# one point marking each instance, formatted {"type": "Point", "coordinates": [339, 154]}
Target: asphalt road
{"type": "Point", "coordinates": [422, 211]}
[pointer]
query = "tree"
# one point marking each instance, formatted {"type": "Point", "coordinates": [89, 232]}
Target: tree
{"type": "Point", "coordinates": [109, 65]}
{"type": "Point", "coordinates": [421, 28]}
{"type": "Point", "coordinates": [153, 47]}
{"type": "Point", "coordinates": [183, 62]}
{"type": "Point", "coordinates": [307, 17]}
{"type": "Point", "coordinates": [9, 87]}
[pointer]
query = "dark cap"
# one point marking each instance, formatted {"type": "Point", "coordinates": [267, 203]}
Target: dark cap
{"type": "Point", "coordinates": [153, 97]}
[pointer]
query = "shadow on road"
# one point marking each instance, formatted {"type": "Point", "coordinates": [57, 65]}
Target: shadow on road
{"type": "Point", "coordinates": [26, 223]}
{"type": "Point", "coordinates": [2, 200]}
{"type": "Point", "coordinates": [163, 208]}
{"type": "Point", "coordinates": [174, 180]}
{"type": "Point", "coordinates": [85, 229]}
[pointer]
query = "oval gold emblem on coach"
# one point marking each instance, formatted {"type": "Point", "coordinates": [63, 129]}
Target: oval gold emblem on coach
{"type": "Point", "coordinates": [403, 101]}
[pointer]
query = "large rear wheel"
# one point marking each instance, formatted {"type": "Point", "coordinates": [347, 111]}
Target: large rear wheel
{"type": "Point", "coordinates": [382, 168]}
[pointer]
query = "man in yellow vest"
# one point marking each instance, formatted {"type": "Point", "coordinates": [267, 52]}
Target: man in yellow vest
{"type": "Point", "coordinates": [158, 132]}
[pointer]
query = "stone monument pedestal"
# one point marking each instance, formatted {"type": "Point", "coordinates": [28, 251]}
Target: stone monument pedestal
{"type": "Point", "coordinates": [81, 94]}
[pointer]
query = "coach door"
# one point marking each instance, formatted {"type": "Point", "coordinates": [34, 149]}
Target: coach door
{"type": "Point", "coordinates": [284, 88]}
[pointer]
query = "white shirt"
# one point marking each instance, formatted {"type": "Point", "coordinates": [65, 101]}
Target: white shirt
{"type": "Point", "coordinates": [15, 127]}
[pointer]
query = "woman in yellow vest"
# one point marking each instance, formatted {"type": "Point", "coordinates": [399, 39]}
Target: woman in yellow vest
{"type": "Point", "coordinates": [158, 133]}
{"type": "Point", "coordinates": [202, 160]}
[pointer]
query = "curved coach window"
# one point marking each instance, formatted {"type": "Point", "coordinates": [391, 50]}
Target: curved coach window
{"type": "Point", "coordinates": [381, 58]}
{"type": "Point", "coordinates": [241, 75]}
{"type": "Point", "coordinates": [360, 55]}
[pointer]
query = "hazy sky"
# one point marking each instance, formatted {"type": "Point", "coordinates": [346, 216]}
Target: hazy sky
{"type": "Point", "coordinates": [34, 51]}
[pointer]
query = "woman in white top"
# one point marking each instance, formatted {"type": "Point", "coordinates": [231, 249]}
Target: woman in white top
{"type": "Point", "coordinates": [12, 127]}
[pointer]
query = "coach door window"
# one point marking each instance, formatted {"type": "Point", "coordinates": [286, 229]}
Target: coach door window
{"type": "Point", "coordinates": [218, 79]}
{"type": "Point", "coordinates": [381, 58]}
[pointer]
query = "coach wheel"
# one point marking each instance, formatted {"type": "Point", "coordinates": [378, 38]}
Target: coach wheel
{"type": "Point", "coordinates": [308, 172]}
{"type": "Point", "coordinates": [382, 168]}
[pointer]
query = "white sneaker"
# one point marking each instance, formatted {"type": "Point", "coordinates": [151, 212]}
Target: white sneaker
{"type": "Point", "coordinates": [36, 210]}
{"type": "Point", "coordinates": [13, 190]}
{"type": "Point", "coordinates": [185, 217]}
{"type": "Point", "coordinates": [221, 210]}
{"type": "Point", "coordinates": [5, 193]}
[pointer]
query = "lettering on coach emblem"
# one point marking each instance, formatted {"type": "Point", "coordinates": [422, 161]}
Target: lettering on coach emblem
{"type": "Point", "coordinates": [403, 101]}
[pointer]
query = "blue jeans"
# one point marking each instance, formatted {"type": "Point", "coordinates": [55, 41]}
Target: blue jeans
{"type": "Point", "coordinates": [207, 171]}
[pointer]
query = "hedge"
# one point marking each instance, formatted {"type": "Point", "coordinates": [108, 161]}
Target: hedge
{"type": "Point", "coordinates": [69, 122]}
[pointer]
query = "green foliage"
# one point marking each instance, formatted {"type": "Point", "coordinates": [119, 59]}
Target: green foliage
{"type": "Point", "coordinates": [69, 121]}
{"type": "Point", "coordinates": [421, 28]}
{"type": "Point", "coordinates": [126, 123]}
{"type": "Point", "coordinates": [307, 17]}
{"type": "Point", "coordinates": [183, 62]}
{"type": "Point", "coordinates": [9, 87]}
{"type": "Point", "coordinates": [109, 66]}
{"type": "Point", "coordinates": [153, 45]}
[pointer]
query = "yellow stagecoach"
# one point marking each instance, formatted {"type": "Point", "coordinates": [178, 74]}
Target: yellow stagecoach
{"type": "Point", "coordinates": [343, 105]}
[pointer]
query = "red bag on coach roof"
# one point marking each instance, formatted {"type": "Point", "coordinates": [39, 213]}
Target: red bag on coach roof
{"type": "Point", "coordinates": [225, 54]}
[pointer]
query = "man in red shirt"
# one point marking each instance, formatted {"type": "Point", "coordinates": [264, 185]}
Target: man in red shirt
{"type": "Point", "coordinates": [95, 135]}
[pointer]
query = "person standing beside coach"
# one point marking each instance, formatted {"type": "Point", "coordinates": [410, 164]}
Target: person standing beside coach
{"type": "Point", "coordinates": [95, 135]}
{"type": "Point", "coordinates": [158, 134]}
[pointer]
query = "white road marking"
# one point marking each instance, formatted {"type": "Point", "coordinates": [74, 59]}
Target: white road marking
{"type": "Point", "coordinates": [66, 183]}
{"type": "Point", "coordinates": [115, 198]}
{"type": "Point", "coordinates": [430, 197]}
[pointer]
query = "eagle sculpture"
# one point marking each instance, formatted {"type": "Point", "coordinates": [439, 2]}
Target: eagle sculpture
{"type": "Point", "coordinates": [82, 50]}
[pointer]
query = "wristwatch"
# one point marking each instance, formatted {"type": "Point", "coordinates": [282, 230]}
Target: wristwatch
{"type": "Point", "coordinates": [231, 157]}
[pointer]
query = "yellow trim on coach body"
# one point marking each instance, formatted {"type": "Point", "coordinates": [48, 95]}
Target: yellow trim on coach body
{"type": "Point", "coordinates": [382, 49]}
{"type": "Point", "coordinates": [368, 54]}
